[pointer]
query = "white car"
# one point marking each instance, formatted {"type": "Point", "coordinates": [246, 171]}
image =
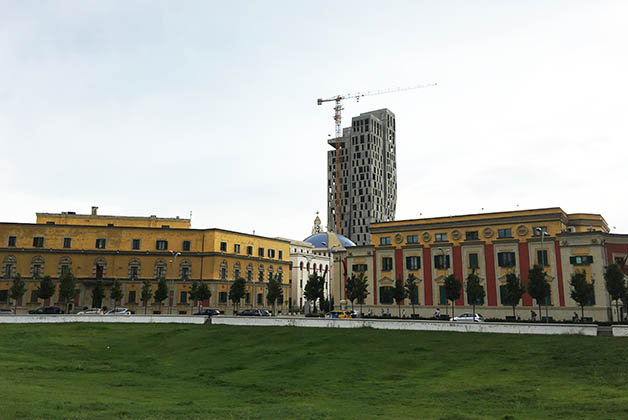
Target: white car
{"type": "Point", "coordinates": [91, 311]}
{"type": "Point", "coordinates": [119, 311]}
{"type": "Point", "coordinates": [469, 317]}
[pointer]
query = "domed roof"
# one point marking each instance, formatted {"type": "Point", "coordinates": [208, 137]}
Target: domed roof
{"type": "Point", "coordinates": [330, 239]}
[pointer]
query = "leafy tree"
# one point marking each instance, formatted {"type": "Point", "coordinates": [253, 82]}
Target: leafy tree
{"type": "Point", "coordinates": [452, 290]}
{"type": "Point", "coordinates": [194, 295]}
{"type": "Point", "coordinates": [46, 289]}
{"type": "Point", "coordinates": [362, 288]}
{"type": "Point", "coordinates": [475, 291]}
{"type": "Point", "coordinates": [146, 293]}
{"type": "Point", "coordinates": [615, 285]}
{"type": "Point", "coordinates": [538, 287]}
{"type": "Point", "coordinates": [67, 288]}
{"type": "Point", "coordinates": [582, 291]}
{"type": "Point", "coordinates": [274, 291]}
{"type": "Point", "coordinates": [399, 294]}
{"type": "Point", "coordinates": [237, 292]}
{"type": "Point", "coordinates": [314, 289]}
{"type": "Point", "coordinates": [98, 293]}
{"type": "Point", "coordinates": [514, 290]}
{"type": "Point", "coordinates": [116, 292]}
{"type": "Point", "coordinates": [412, 290]}
{"type": "Point", "coordinates": [17, 289]}
{"type": "Point", "coordinates": [162, 291]}
{"type": "Point", "coordinates": [203, 293]}
{"type": "Point", "coordinates": [351, 289]}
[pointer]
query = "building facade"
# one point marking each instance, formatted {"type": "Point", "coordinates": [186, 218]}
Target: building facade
{"type": "Point", "coordinates": [133, 249]}
{"type": "Point", "coordinates": [491, 245]}
{"type": "Point", "coordinates": [368, 176]}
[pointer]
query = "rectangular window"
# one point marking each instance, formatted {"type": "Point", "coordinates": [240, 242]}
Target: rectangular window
{"type": "Point", "coordinates": [471, 236]}
{"type": "Point", "coordinates": [504, 233]}
{"type": "Point", "coordinates": [132, 296]}
{"type": "Point", "coordinates": [223, 247]}
{"type": "Point", "coordinates": [359, 268]}
{"type": "Point", "coordinates": [65, 269]}
{"type": "Point", "coordinates": [384, 240]}
{"type": "Point", "coordinates": [412, 239]}
{"type": "Point", "coordinates": [186, 245]}
{"type": "Point", "coordinates": [387, 264]}
{"type": "Point", "coordinates": [222, 297]}
{"type": "Point", "coordinates": [386, 295]}
{"type": "Point", "coordinates": [67, 242]}
{"type": "Point", "coordinates": [136, 244]}
{"type": "Point", "coordinates": [249, 250]}
{"type": "Point", "coordinates": [413, 263]}
{"type": "Point", "coordinates": [36, 271]}
{"type": "Point", "coordinates": [34, 296]}
{"type": "Point", "coordinates": [12, 241]}
{"type": "Point", "coordinates": [185, 273]}
{"type": "Point", "coordinates": [260, 252]}
{"type": "Point", "coordinates": [271, 253]}
{"type": "Point", "coordinates": [506, 259]}
{"type": "Point", "coordinates": [442, 295]}
{"type": "Point", "coordinates": [247, 298]}
{"type": "Point", "coordinates": [183, 298]}
{"type": "Point", "coordinates": [280, 300]}
{"type": "Point", "coordinates": [280, 255]}
{"type": "Point", "coordinates": [503, 295]}
{"type": "Point", "coordinates": [473, 261]}
{"type": "Point", "coordinates": [541, 257]}
{"type": "Point", "coordinates": [260, 298]}
{"type": "Point", "coordinates": [134, 272]}
{"type": "Point", "coordinates": [161, 244]}
{"type": "Point", "coordinates": [38, 242]}
{"type": "Point", "coordinates": [441, 262]}
{"type": "Point", "coordinates": [440, 237]}
{"type": "Point", "coordinates": [101, 243]}
{"type": "Point", "coordinates": [236, 248]}
{"type": "Point", "coordinates": [581, 260]}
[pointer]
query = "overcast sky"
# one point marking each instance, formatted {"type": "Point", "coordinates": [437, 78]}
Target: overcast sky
{"type": "Point", "coordinates": [149, 107]}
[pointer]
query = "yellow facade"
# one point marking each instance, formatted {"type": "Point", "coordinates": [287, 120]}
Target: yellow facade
{"type": "Point", "coordinates": [108, 247]}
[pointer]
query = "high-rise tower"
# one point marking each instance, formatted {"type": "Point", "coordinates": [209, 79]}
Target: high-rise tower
{"type": "Point", "coordinates": [368, 171]}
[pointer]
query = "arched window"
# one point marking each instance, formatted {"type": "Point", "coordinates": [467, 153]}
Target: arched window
{"type": "Point", "coordinates": [37, 267]}
{"type": "Point", "coordinates": [65, 266]}
{"type": "Point", "coordinates": [260, 273]}
{"type": "Point", "coordinates": [270, 272]}
{"type": "Point", "coordinates": [280, 274]}
{"type": "Point", "coordinates": [9, 267]}
{"type": "Point", "coordinates": [185, 270]}
{"type": "Point", "coordinates": [160, 269]}
{"type": "Point", "coordinates": [99, 270]}
{"type": "Point", "coordinates": [134, 269]}
{"type": "Point", "coordinates": [236, 271]}
{"type": "Point", "coordinates": [223, 270]}
{"type": "Point", "coordinates": [249, 272]}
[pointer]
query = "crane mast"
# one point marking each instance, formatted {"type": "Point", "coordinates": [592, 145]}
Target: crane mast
{"type": "Point", "coordinates": [336, 142]}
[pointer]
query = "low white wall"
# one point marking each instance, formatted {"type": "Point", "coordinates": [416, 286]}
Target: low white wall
{"type": "Point", "coordinates": [133, 319]}
{"type": "Point", "coordinates": [620, 330]}
{"type": "Point", "coordinates": [416, 325]}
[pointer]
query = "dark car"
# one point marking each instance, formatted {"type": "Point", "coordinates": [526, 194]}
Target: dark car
{"type": "Point", "coordinates": [250, 312]}
{"type": "Point", "coordinates": [48, 310]}
{"type": "Point", "coordinates": [208, 312]}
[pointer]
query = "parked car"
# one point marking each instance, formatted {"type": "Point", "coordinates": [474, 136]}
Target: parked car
{"type": "Point", "coordinates": [250, 312]}
{"type": "Point", "coordinates": [8, 311]}
{"type": "Point", "coordinates": [355, 314]}
{"type": "Point", "coordinates": [208, 312]}
{"type": "Point", "coordinates": [91, 311]}
{"type": "Point", "coordinates": [339, 314]}
{"type": "Point", "coordinates": [119, 311]}
{"type": "Point", "coordinates": [469, 317]}
{"type": "Point", "coordinates": [266, 312]}
{"type": "Point", "coordinates": [47, 310]}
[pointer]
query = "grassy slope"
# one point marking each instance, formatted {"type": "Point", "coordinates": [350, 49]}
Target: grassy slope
{"type": "Point", "coordinates": [174, 371]}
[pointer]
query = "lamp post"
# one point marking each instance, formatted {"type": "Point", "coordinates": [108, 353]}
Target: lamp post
{"type": "Point", "coordinates": [329, 251]}
{"type": "Point", "coordinates": [173, 261]}
{"type": "Point", "coordinates": [443, 253]}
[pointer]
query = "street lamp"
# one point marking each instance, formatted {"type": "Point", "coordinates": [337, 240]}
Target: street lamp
{"type": "Point", "coordinates": [174, 261]}
{"type": "Point", "coordinates": [329, 251]}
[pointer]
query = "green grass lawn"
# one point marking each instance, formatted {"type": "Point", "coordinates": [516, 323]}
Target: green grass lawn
{"type": "Point", "coordinates": [92, 371]}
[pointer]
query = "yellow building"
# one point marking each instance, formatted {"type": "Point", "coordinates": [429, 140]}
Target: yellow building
{"type": "Point", "coordinates": [133, 249]}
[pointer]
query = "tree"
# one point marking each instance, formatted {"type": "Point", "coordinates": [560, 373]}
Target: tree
{"type": "Point", "coordinates": [17, 289]}
{"type": "Point", "coordinates": [116, 292]}
{"type": "Point", "coordinates": [514, 290]}
{"type": "Point", "coordinates": [362, 288]}
{"type": "Point", "coordinates": [582, 291]}
{"type": "Point", "coordinates": [351, 288]}
{"type": "Point", "coordinates": [615, 285]}
{"type": "Point", "coordinates": [203, 293]}
{"type": "Point", "coordinates": [452, 290]}
{"type": "Point", "coordinates": [97, 294]}
{"type": "Point", "coordinates": [146, 293]}
{"type": "Point", "coordinates": [412, 290]}
{"type": "Point", "coordinates": [162, 292]}
{"type": "Point", "coordinates": [399, 294]}
{"type": "Point", "coordinates": [538, 287]}
{"type": "Point", "coordinates": [274, 291]}
{"type": "Point", "coordinates": [475, 291]}
{"type": "Point", "coordinates": [314, 289]}
{"type": "Point", "coordinates": [194, 295]}
{"type": "Point", "coordinates": [46, 289]}
{"type": "Point", "coordinates": [67, 288]}
{"type": "Point", "coordinates": [237, 292]}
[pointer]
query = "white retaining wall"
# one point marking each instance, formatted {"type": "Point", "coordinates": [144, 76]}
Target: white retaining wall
{"type": "Point", "coordinates": [415, 325]}
{"type": "Point", "coordinates": [620, 330]}
{"type": "Point", "coordinates": [133, 319]}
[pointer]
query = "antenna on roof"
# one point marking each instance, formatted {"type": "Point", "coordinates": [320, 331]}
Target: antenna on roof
{"type": "Point", "coordinates": [190, 214]}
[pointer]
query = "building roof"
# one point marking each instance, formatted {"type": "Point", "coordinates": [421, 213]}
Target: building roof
{"type": "Point", "coordinates": [325, 239]}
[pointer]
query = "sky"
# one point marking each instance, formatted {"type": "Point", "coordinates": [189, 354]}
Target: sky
{"type": "Point", "coordinates": [203, 107]}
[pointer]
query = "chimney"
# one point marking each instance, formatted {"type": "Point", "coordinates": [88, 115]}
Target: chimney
{"type": "Point", "coordinates": [94, 211]}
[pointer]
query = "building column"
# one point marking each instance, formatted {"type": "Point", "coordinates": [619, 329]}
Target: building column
{"type": "Point", "coordinates": [427, 276]}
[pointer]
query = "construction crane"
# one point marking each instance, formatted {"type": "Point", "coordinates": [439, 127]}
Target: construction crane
{"type": "Point", "coordinates": [336, 142]}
